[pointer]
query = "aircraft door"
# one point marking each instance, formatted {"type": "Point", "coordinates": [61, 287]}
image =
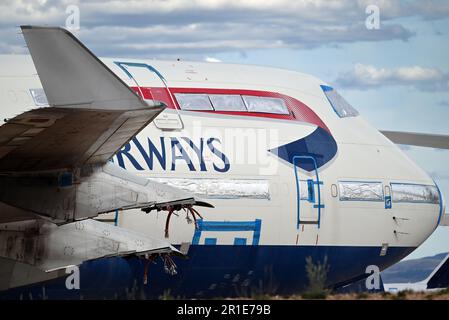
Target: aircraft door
{"type": "Point", "coordinates": [152, 85]}
{"type": "Point", "coordinates": [308, 192]}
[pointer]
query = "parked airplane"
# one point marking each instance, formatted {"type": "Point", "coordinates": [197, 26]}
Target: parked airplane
{"type": "Point", "coordinates": [438, 279]}
{"type": "Point", "coordinates": [292, 170]}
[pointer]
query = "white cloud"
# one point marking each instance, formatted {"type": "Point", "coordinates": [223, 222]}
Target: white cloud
{"type": "Point", "coordinates": [367, 76]}
{"type": "Point", "coordinates": [202, 27]}
{"type": "Point", "coordinates": [211, 59]}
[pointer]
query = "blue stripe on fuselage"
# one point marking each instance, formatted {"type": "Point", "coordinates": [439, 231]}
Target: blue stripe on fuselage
{"type": "Point", "coordinates": [319, 144]}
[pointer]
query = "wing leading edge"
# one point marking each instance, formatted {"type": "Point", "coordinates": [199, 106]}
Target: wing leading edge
{"type": "Point", "coordinates": [418, 139]}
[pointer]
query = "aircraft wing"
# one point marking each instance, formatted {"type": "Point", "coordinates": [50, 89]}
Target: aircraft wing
{"type": "Point", "coordinates": [59, 247]}
{"type": "Point", "coordinates": [418, 139]}
{"type": "Point", "coordinates": [53, 159]}
{"type": "Point", "coordinates": [91, 114]}
{"type": "Point", "coordinates": [54, 170]}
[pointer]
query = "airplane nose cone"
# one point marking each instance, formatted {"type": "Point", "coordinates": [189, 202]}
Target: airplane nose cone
{"type": "Point", "coordinates": [418, 208]}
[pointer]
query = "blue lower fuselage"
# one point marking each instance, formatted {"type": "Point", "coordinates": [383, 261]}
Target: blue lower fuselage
{"type": "Point", "coordinates": [215, 271]}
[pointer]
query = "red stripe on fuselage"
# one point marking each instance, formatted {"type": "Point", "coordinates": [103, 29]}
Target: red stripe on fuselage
{"type": "Point", "coordinates": [298, 110]}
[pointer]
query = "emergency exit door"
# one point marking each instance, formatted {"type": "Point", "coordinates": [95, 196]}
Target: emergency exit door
{"type": "Point", "coordinates": [152, 85]}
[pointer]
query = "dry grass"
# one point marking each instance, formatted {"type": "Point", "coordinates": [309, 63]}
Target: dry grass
{"type": "Point", "coordinates": [403, 295]}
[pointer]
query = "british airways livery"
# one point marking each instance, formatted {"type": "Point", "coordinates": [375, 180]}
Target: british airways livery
{"type": "Point", "coordinates": [287, 169]}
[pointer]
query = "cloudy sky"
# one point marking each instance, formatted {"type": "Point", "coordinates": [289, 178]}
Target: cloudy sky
{"type": "Point", "coordinates": [397, 76]}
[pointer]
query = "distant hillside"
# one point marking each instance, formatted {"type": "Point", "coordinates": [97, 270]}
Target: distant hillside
{"type": "Point", "coordinates": [412, 270]}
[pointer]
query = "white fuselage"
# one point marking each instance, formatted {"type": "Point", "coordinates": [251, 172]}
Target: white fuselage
{"type": "Point", "coordinates": [233, 168]}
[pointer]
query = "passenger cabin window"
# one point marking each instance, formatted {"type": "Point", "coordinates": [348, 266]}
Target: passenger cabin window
{"type": "Point", "coordinates": [193, 101]}
{"type": "Point", "coordinates": [231, 102]}
{"type": "Point", "coordinates": [39, 97]}
{"type": "Point", "coordinates": [265, 105]}
{"type": "Point", "coordinates": [227, 102]}
{"type": "Point", "coordinates": [360, 191]}
{"type": "Point", "coordinates": [403, 192]}
{"type": "Point", "coordinates": [341, 107]}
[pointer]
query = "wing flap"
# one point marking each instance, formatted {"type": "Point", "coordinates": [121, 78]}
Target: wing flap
{"type": "Point", "coordinates": [50, 247]}
{"type": "Point", "coordinates": [60, 138]}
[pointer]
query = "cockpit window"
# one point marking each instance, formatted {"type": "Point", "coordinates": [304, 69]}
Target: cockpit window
{"type": "Point", "coordinates": [193, 101]}
{"type": "Point", "coordinates": [403, 192]}
{"type": "Point", "coordinates": [265, 105]}
{"type": "Point", "coordinates": [342, 108]}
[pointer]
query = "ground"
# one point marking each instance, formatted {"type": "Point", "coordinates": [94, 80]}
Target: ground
{"type": "Point", "coordinates": [403, 295]}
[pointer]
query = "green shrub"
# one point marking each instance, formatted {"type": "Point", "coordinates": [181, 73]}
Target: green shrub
{"type": "Point", "coordinates": [402, 295]}
{"type": "Point", "coordinates": [362, 295]}
{"type": "Point", "coordinates": [317, 276]}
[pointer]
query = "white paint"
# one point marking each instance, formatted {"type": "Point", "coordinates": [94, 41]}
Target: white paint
{"type": "Point", "coordinates": [73, 280]}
